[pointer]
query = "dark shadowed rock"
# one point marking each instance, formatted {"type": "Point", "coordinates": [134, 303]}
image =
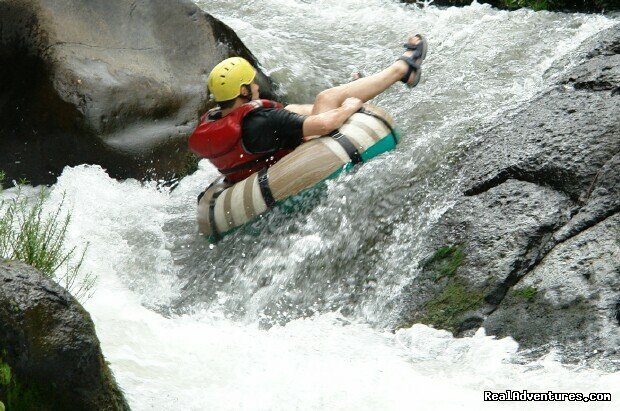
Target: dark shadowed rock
{"type": "Point", "coordinates": [50, 357]}
{"type": "Point", "coordinates": [532, 247]}
{"type": "Point", "coordinates": [117, 83]}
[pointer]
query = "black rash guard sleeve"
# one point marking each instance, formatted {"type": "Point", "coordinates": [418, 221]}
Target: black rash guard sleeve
{"type": "Point", "coordinates": [266, 130]}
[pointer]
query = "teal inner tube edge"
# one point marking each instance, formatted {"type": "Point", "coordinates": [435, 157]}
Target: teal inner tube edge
{"type": "Point", "coordinates": [290, 204]}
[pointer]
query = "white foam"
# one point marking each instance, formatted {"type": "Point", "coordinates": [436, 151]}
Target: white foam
{"type": "Point", "coordinates": [480, 60]}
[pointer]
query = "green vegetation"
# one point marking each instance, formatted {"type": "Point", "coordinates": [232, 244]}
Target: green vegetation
{"type": "Point", "coordinates": [527, 293]}
{"type": "Point", "coordinates": [445, 261]}
{"type": "Point", "coordinates": [16, 396]}
{"type": "Point", "coordinates": [559, 5]}
{"type": "Point", "coordinates": [446, 309]}
{"type": "Point", "coordinates": [550, 5]}
{"type": "Point", "coordinates": [31, 394]}
{"type": "Point", "coordinates": [28, 235]}
{"type": "Point", "coordinates": [5, 373]}
{"type": "Point", "coordinates": [535, 5]}
{"type": "Point", "coordinates": [5, 379]}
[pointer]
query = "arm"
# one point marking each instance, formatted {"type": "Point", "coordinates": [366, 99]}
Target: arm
{"type": "Point", "coordinates": [324, 123]}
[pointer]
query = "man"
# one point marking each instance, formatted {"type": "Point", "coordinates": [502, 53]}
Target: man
{"type": "Point", "coordinates": [245, 134]}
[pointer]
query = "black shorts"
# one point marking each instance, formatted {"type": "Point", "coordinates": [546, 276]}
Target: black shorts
{"type": "Point", "coordinates": [266, 130]}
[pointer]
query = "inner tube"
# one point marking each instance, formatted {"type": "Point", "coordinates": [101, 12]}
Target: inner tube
{"type": "Point", "coordinates": [224, 208]}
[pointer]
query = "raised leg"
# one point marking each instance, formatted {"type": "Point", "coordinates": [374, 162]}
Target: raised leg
{"type": "Point", "coordinates": [365, 88]}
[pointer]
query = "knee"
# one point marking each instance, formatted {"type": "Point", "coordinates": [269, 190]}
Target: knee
{"type": "Point", "coordinates": [331, 97]}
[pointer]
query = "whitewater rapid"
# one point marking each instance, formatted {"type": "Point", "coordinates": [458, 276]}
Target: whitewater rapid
{"type": "Point", "coordinates": [205, 361]}
{"type": "Point", "coordinates": [142, 239]}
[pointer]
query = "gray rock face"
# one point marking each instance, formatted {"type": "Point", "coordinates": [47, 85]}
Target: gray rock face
{"type": "Point", "coordinates": [49, 353]}
{"type": "Point", "coordinates": [532, 248]}
{"type": "Point", "coordinates": [117, 83]}
{"type": "Point", "coordinates": [574, 294]}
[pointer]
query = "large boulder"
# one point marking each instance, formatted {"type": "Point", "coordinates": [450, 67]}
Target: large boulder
{"type": "Point", "coordinates": [50, 358]}
{"type": "Point", "coordinates": [117, 83]}
{"type": "Point", "coordinates": [532, 247]}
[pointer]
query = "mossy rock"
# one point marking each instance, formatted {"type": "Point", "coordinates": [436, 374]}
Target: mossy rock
{"type": "Point", "coordinates": [23, 397]}
{"type": "Point", "coordinates": [448, 296]}
{"type": "Point", "coordinates": [50, 358]}
{"type": "Point", "coordinates": [447, 309]}
{"type": "Point", "coordinates": [527, 293]}
{"type": "Point", "coordinates": [5, 373]}
{"type": "Point", "coordinates": [445, 261]}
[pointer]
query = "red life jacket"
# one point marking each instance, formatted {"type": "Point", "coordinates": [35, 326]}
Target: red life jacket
{"type": "Point", "coordinates": [219, 139]}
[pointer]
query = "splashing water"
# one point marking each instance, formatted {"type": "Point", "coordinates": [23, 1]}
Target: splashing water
{"type": "Point", "coordinates": [324, 279]}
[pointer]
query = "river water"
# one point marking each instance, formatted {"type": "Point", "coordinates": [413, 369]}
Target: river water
{"type": "Point", "coordinates": [295, 318]}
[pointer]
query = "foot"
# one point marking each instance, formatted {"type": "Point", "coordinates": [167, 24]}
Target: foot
{"type": "Point", "coordinates": [356, 75]}
{"type": "Point", "coordinates": [411, 60]}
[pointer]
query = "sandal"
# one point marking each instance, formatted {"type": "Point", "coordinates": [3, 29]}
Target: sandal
{"type": "Point", "coordinates": [414, 61]}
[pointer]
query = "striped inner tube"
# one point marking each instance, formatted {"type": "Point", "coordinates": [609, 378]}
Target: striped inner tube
{"type": "Point", "coordinates": [365, 135]}
{"type": "Point", "coordinates": [384, 121]}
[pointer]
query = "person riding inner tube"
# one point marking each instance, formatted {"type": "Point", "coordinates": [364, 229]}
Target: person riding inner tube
{"type": "Point", "coordinates": [245, 134]}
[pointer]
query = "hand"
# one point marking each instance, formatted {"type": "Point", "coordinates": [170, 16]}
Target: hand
{"type": "Point", "coordinates": [353, 104]}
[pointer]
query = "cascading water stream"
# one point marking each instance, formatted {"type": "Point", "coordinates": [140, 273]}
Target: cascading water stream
{"type": "Point", "coordinates": [330, 272]}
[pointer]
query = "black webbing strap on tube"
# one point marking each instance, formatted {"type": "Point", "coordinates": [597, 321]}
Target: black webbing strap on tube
{"type": "Point", "coordinates": [263, 183]}
{"type": "Point", "coordinates": [217, 181]}
{"type": "Point", "coordinates": [344, 141]}
{"type": "Point", "coordinates": [384, 121]}
{"type": "Point", "coordinates": [201, 195]}
{"type": "Point", "coordinates": [214, 233]}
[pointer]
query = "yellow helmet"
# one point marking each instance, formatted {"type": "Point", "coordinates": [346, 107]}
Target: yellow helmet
{"type": "Point", "coordinates": [227, 78]}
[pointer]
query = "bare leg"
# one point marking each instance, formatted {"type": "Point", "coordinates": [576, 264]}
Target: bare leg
{"type": "Point", "coordinates": [365, 88]}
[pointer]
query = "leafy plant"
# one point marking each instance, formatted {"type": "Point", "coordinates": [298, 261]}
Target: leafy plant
{"type": "Point", "coordinates": [29, 235]}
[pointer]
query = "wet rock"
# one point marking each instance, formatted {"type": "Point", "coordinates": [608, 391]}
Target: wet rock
{"type": "Point", "coordinates": [573, 293]}
{"type": "Point", "coordinates": [603, 200]}
{"type": "Point", "coordinates": [50, 358]}
{"type": "Point", "coordinates": [499, 234]}
{"type": "Point", "coordinates": [538, 222]}
{"type": "Point", "coordinates": [117, 83]}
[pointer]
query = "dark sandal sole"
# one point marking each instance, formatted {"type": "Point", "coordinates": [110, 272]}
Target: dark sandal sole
{"type": "Point", "coordinates": [414, 61]}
